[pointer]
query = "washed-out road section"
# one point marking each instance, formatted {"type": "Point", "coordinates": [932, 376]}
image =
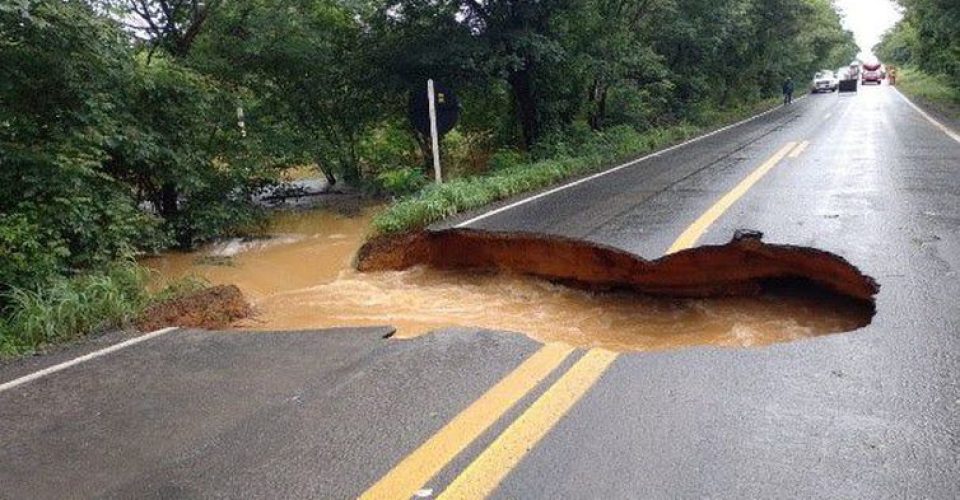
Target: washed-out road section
{"type": "Point", "coordinates": [873, 413]}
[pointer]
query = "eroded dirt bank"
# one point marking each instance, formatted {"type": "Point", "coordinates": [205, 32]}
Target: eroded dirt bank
{"type": "Point", "coordinates": [740, 267]}
{"type": "Point", "coordinates": [211, 308]}
{"type": "Point", "coordinates": [303, 277]}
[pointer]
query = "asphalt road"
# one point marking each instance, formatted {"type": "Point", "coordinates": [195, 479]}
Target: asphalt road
{"type": "Point", "coordinates": [869, 414]}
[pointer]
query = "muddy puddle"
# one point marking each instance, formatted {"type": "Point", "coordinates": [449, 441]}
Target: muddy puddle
{"type": "Point", "coordinates": [303, 278]}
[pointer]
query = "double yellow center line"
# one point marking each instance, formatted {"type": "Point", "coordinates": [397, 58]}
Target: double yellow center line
{"type": "Point", "coordinates": [487, 470]}
{"type": "Point", "coordinates": [482, 476]}
{"type": "Point", "coordinates": [426, 461]}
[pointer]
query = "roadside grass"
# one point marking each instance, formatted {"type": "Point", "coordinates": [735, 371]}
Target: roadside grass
{"type": "Point", "coordinates": [68, 308]}
{"type": "Point", "coordinates": [935, 90]}
{"type": "Point", "coordinates": [565, 158]}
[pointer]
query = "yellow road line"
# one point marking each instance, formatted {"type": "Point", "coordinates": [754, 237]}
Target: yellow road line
{"type": "Point", "coordinates": [696, 230]}
{"type": "Point", "coordinates": [482, 476]}
{"type": "Point", "coordinates": [797, 151]}
{"type": "Point", "coordinates": [486, 472]}
{"type": "Point", "coordinates": [426, 461]}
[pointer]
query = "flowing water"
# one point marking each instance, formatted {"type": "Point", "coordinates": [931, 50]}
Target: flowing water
{"type": "Point", "coordinates": [302, 278]}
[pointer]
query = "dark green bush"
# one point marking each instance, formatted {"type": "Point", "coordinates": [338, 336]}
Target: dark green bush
{"type": "Point", "coordinates": [401, 181]}
{"type": "Point", "coordinates": [29, 255]}
{"type": "Point", "coordinates": [506, 158]}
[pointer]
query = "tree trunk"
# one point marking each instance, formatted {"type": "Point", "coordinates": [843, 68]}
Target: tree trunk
{"type": "Point", "coordinates": [169, 209]}
{"type": "Point", "coordinates": [349, 160]}
{"type": "Point", "coordinates": [598, 95]}
{"type": "Point", "coordinates": [526, 104]}
{"type": "Point", "coordinates": [169, 198]}
{"type": "Point", "coordinates": [331, 179]}
{"type": "Point", "coordinates": [183, 44]}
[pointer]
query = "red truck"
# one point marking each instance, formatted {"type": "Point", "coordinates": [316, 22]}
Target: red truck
{"type": "Point", "coordinates": [871, 73]}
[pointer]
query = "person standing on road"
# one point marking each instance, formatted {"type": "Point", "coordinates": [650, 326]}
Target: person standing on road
{"type": "Point", "coordinates": [787, 91]}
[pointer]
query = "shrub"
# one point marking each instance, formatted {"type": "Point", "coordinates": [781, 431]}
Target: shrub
{"type": "Point", "coordinates": [401, 181]}
{"type": "Point", "coordinates": [561, 156]}
{"type": "Point", "coordinates": [29, 254]}
{"type": "Point", "coordinates": [68, 307]}
{"type": "Point", "coordinates": [506, 158]}
{"type": "Point", "coordinates": [624, 140]}
{"type": "Point", "coordinates": [388, 147]}
{"type": "Point", "coordinates": [465, 152]}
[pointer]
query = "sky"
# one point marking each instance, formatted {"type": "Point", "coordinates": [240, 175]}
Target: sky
{"type": "Point", "coordinates": [868, 19]}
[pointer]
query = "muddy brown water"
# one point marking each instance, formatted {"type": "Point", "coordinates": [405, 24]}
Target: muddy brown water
{"type": "Point", "coordinates": [303, 278]}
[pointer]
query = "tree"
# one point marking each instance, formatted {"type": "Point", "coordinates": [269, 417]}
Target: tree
{"type": "Point", "coordinates": [517, 34]}
{"type": "Point", "coordinates": [58, 102]}
{"type": "Point", "coordinates": [608, 46]}
{"type": "Point", "coordinates": [307, 63]}
{"type": "Point", "coordinates": [179, 129]}
{"type": "Point", "coordinates": [172, 25]}
{"type": "Point", "coordinates": [898, 44]}
{"type": "Point", "coordinates": [928, 37]}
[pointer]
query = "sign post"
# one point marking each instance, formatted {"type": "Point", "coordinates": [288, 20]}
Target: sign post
{"type": "Point", "coordinates": [432, 114]}
{"type": "Point", "coordinates": [434, 134]}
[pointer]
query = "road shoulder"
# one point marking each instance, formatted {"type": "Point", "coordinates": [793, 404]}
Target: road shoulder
{"type": "Point", "coordinates": [948, 116]}
{"type": "Point", "coordinates": [15, 367]}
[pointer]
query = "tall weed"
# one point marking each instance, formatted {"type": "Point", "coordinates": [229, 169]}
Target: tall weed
{"type": "Point", "coordinates": [66, 308]}
{"type": "Point", "coordinates": [936, 90]}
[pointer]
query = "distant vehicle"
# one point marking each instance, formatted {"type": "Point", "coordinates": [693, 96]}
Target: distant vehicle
{"type": "Point", "coordinates": [871, 73]}
{"type": "Point", "coordinates": [824, 81]}
{"type": "Point", "coordinates": [853, 71]}
{"type": "Point", "coordinates": [848, 76]}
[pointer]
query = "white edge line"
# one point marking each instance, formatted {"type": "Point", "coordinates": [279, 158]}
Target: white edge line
{"type": "Point", "coordinates": [81, 359]}
{"type": "Point", "coordinates": [617, 168]}
{"type": "Point", "coordinates": [946, 130]}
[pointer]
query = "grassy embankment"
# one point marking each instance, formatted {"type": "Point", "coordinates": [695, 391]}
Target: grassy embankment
{"type": "Point", "coordinates": [570, 159]}
{"type": "Point", "coordinates": [69, 308]}
{"type": "Point", "coordinates": [934, 91]}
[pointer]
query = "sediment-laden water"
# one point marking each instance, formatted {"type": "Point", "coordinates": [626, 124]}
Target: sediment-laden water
{"type": "Point", "coordinates": [303, 277]}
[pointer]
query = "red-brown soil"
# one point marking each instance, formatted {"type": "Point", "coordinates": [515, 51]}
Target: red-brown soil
{"type": "Point", "coordinates": [740, 267]}
{"type": "Point", "coordinates": [212, 308]}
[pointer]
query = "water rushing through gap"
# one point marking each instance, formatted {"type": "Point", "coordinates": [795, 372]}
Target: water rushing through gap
{"type": "Point", "coordinates": [303, 278]}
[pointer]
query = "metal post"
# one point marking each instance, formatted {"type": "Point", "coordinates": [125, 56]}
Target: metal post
{"type": "Point", "coordinates": [240, 123]}
{"type": "Point", "coordinates": [434, 136]}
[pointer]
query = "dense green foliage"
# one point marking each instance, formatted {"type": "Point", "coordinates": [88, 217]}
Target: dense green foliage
{"type": "Point", "coordinates": [91, 133]}
{"type": "Point", "coordinates": [928, 37]}
{"type": "Point", "coordinates": [120, 120]}
{"type": "Point", "coordinates": [926, 42]}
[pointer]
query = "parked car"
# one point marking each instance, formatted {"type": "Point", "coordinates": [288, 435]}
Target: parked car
{"type": "Point", "coordinates": [824, 81]}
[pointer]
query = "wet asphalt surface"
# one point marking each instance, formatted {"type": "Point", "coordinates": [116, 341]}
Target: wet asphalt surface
{"type": "Point", "coordinates": [868, 414]}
